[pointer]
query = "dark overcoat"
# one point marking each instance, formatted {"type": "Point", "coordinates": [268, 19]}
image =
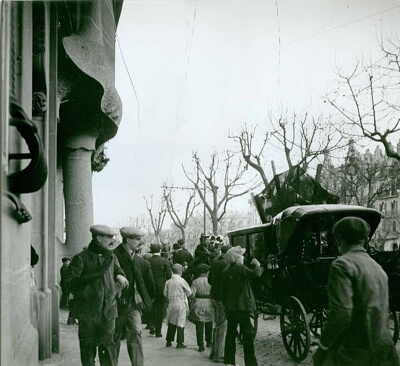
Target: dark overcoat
{"type": "Point", "coordinates": [98, 297]}
{"type": "Point", "coordinates": [161, 270]}
{"type": "Point", "coordinates": [138, 273]}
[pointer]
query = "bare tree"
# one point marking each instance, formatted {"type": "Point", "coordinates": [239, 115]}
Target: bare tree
{"type": "Point", "coordinates": [246, 138]}
{"type": "Point", "coordinates": [368, 99]}
{"type": "Point", "coordinates": [303, 137]}
{"type": "Point", "coordinates": [190, 206]}
{"type": "Point", "coordinates": [156, 216]}
{"type": "Point", "coordinates": [217, 186]}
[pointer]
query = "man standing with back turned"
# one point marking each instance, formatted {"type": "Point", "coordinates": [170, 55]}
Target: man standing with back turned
{"type": "Point", "coordinates": [136, 298]}
{"type": "Point", "coordinates": [91, 276]}
{"type": "Point", "coordinates": [357, 331]}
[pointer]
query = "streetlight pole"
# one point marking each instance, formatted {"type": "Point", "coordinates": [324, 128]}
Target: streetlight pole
{"type": "Point", "coordinates": [204, 213]}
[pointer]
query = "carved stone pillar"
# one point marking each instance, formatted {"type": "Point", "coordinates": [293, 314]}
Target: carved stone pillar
{"type": "Point", "coordinates": [77, 175]}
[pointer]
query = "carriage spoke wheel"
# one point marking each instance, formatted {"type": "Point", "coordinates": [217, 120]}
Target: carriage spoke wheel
{"type": "Point", "coordinates": [394, 325]}
{"type": "Point", "coordinates": [318, 320]}
{"type": "Point", "coordinates": [295, 329]}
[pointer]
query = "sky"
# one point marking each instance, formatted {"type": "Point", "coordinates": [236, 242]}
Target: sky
{"type": "Point", "coordinates": [190, 73]}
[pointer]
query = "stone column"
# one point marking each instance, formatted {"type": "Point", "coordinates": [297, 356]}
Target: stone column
{"type": "Point", "coordinates": [51, 121]}
{"type": "Point", "coordinates": [77, 175]}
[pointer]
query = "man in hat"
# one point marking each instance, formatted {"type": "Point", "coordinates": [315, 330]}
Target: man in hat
{"type": "Point", "coordinates": [181, 256]}
{"type": "Point", "coordinates": [136, 298]}
{"type": "Point", "coordinates": [92, 277]}
{"type": "Point", "coordinates": [183, 245]}
{"type": "Point", "coordinates": [177, 291]}
{"type": "Point", "coordinates": [161, 270]}
{"type": "Point", "coordinates": [203, 249]}
{"type": "Point", "coordinates": [63, 283]}
{"type": "Point", "coordinates": [357, 331]}
{"type": "Point", "coordinates": [239, 303]}
{"type": "Point", "coordinates": [215, 280]}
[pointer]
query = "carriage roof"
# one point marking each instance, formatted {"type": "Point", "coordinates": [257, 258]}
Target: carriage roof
{"type": "Point", "coordinates": [291, 219]}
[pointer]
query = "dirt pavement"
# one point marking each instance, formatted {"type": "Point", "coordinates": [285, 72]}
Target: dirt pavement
{"type": "Point", "coordinates": [268, 346]}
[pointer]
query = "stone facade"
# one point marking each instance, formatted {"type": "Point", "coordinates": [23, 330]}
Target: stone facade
{"type": "Point", "coordinates": [370, 180]}
{"type": "Point", "coordinates": [58, 108]}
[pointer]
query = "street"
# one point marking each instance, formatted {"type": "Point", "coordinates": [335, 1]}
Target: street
{"type": "Point", "coordinates": [268, 346]}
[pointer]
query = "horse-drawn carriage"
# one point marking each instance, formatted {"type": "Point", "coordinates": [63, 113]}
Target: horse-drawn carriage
{"type": "Point", "coordinates": [296, 250]}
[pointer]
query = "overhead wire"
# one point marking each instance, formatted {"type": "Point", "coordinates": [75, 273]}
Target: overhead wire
{"type": "Point", "coordinates": [188, 49]}
{"type": "Point", "coordinates": [130, 78]}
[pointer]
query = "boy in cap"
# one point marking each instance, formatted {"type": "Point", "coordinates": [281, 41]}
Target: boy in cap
{"type": "Point", "coordinates": [239, 303]}
{"type": "Point", "coordinates": [357, 331]}
{"type": "Point", "coordinates": [161, 270]}
{"type": "Point", "coordinates": [176, 291]}
{"type": "Point", "coordinates": [201, 312]}
{"type": "Point", "coordinates": [134, 299]}
{"type": "Point", "coordinates": [92, 277]}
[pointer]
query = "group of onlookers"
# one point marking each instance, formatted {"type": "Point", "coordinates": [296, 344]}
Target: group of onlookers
{"type": "Point", "coordinates": [112, 288]}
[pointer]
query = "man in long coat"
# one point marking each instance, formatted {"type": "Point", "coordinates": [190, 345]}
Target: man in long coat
{"type": "Point", "coordinates": [136, 298]}
{"type": "Point", "coordinates": [161, 270]}
{"type": "Point", "coordinates": [215, 280]}
{"type": "Point", "coordinates": [92, 277]}
{"type": "Point", "coordinates": [357, 331]}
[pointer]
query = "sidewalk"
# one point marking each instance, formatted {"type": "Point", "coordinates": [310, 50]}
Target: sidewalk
{"type": "Point", "coordinates": [155, 352]}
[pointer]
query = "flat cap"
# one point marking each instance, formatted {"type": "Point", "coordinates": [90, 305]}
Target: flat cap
{"type": "Point", "coordinates": [176, 246]}
{"type": "Point", "coordinates": [177, 267]}
{"type": "Point", "coordinates": [202, 268]}
{"type": "Point", "coordinates": [351, 229]}
{"type": "Point", "coordinates": [155, 248]}
{"type": "Point", "coordinates": [102, 230]}
{"type": "Point", "coordinates": [131, 232]}
{"type": "Point", "coordinates": [181, 241]}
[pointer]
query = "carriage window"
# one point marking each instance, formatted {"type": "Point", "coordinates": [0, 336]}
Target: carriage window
{"type": "Point", "coordinates": [239, 240]}
{"type": "Point", "coordinates": [256, 246]}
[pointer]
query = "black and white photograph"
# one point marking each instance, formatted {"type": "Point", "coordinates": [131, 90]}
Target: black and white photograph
{"type": "Point", "coordinates": [200, 182]}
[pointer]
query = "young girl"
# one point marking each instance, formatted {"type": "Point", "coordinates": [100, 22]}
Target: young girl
{"type": "Point", "coordinates": [177, 291]}
{"type": "Point", "coordinates": [201, 312]}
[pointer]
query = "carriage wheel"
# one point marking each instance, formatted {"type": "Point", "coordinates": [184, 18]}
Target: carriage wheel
{"type": "Point", "coordinates": [295, 329]}
{"type": "Point", "coordinates": [318, 320]}
{"type": "Point", "coordinates": [394, 326]}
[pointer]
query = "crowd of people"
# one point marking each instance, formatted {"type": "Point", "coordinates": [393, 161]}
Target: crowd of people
{"type": "Point", "coordinates": [115, 289]}
{"type": "Point", "coordinates": [111, 291]}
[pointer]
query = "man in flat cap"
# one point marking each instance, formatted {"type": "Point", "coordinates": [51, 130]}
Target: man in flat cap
{"type": "Point", "coordinates": [92, 277]}
{"type": "Point", "coordinates": [357, 331]}
{"type": "Point", "coordinates": [136, 298]}
{"type": "Point", "coordinates": [161, 270]}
